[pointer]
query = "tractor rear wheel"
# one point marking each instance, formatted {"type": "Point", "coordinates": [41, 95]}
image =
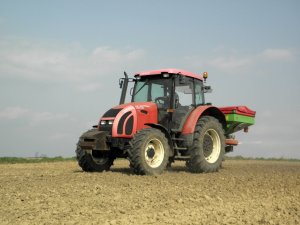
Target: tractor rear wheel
{"type": "Point", "coordinates": [93, 161]}
{"type": "Point", "coordinates": [149, 153]}
{"type": "Point", "coordinates": [208, 147]}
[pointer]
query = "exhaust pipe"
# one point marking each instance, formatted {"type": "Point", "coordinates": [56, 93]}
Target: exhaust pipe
{"type": "Point", "coordinates": [123, 84]}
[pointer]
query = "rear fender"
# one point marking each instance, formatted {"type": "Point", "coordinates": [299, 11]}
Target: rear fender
{"type": "Point", "coordinates": [190, 123]}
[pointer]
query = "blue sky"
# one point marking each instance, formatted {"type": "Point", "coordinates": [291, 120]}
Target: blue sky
{"type": "Point", "coordinates": [60, 62]}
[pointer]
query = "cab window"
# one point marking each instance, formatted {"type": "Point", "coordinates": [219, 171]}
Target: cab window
{"type": "Point", "coordinates": [183, 92]}
{"type": "Point", "coordinates": [199, 97]}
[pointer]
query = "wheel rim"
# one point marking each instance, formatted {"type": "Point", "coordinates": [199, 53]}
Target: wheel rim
{"type": "Point", "coordinates": [211, 146]}
{"type": "Point", "coordinates": [154, 153]}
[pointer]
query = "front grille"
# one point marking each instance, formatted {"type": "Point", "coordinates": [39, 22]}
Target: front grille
{"type": "Point", "coordinates": [129, 125]}
{"type": "Point", "coordinates": [105, 127]}
{"type": "Point", "coordinates": [121, 122]}
{"type": "Point", "coordinates": [89, 140]}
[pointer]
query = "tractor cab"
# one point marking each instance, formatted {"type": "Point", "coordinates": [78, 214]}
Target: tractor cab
{"type": "Point", "coordinates": [175, 92]}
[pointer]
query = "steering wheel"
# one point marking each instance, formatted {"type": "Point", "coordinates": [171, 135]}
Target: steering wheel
{"type": "Point", "coordinates": [161, 100]}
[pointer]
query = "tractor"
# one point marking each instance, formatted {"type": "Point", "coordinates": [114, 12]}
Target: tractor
{"type": "Point", "coordinates": [166, 120]}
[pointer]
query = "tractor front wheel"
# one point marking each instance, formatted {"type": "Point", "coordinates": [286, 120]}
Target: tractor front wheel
{"type": "Point", "coordinates": [208, 147]}
{"type": "Point", "coordinates": [93, 161]}
{"type": "Point", "coordinates": [149, 153]}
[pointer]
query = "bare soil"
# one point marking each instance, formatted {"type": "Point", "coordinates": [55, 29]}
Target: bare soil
{"type": "Point", "coordinates": [242, 192]}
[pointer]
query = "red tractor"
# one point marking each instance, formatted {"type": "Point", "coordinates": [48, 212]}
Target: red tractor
{"type": "Point", "coordinates": [166, 120]}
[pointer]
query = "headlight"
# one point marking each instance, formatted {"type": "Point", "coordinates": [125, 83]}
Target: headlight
{"type": "Point", "coordinates": [106, 122]}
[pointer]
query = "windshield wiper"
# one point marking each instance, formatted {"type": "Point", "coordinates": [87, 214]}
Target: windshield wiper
{"type": "Point", "coordinates": [141, 88]}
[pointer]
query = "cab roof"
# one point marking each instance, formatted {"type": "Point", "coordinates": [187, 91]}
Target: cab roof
{"type": "Point", "coordinates": [169, 71]}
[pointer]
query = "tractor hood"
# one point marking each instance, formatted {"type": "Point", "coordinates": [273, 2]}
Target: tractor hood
{"type": "Point", "coordinates": [121, 120]}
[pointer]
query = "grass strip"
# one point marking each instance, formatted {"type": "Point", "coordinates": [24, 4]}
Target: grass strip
{"type": "Point", "coordinates": [14, 160]}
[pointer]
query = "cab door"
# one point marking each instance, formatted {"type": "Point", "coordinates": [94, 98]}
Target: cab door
{"type": "Point", "coordinates": [184, 100]}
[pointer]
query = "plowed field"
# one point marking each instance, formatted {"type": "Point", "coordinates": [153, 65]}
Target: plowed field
{"type": "Point", "coordinates": [242, 192]}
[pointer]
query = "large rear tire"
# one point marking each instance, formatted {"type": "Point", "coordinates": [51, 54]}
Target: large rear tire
{"type": "Point", "coordinates": [208, 147]}
{"type": "Point", "coordinates": [93, 161]}
{"type": "Point", "coordinates": [149, 153]}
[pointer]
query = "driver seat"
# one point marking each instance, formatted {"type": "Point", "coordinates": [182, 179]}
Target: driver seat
{"type": "Point", "coordinates": [162, 111]}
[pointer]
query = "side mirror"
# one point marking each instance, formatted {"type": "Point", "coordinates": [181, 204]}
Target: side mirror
{"type": "Point", "coordinates": [121, 81]}
{"type": "Point", "coordinates": [207, 89]}
{"type": "Point", "coordinates": [131, 91]}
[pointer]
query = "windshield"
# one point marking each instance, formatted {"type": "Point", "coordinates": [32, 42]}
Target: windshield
{"type": "Point", "coordinates": [152, 90]}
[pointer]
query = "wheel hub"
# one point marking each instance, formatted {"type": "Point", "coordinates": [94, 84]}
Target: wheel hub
{"type": "Point", "coordinates": [154, 153]}
{"type": "Point", "coordinates": [207, 145]}
{"type": "Point", "coordinates": [150, 152]}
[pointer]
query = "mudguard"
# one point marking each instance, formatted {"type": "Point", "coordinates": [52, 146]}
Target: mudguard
{"type": "Point", "coordinates": [191, 121]}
